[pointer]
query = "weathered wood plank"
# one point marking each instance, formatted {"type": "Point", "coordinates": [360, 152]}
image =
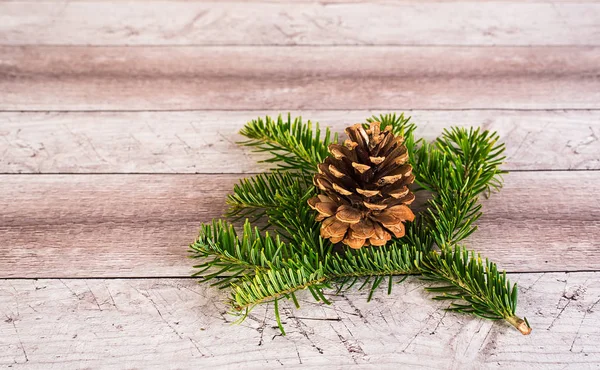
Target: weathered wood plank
{"type": "Point", "coordinates": [147, 323]}
{"type": "Point", "coordinates": [292, 23]}
{"type": "Point", "coordinates": [139, 225]}
{"type": "Point", "coordinates": [233, 78]}
{"type": "Point", "coordinates": [204, 141]}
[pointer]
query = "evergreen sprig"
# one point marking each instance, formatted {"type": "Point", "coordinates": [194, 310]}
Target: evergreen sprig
{"type": "Point", "coordinates": [258, 267]}
{"type": "Point", "coordinates": [254, 196]}
{"type": "Point", "coordinates": [293, 145]}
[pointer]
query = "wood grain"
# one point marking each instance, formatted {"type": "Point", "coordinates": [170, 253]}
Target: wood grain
{"type": "Point", "coordinates": [140, 225]}
{"type": "Point", "coordinates": [204, 141]}
{"type": "Point", "coordinates": [261, 78]}
{"type": "Point", "coordinates": [148, 323]}
{"type": "Point", "coordinates": [293, 23]}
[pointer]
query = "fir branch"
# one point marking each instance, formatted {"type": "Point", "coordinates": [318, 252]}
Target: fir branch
{"type": "Point", "coordinates": [283, 198]}
{"type": "Point", "coordinates": [314, 274]}
{"type": "Point", "coordinates": [460, 160]}
{"type": "Point", "coordinates": [478, 152]}
{"type": "Point", "coordinates": [253, 196]}
{"type": "Point", "coordinates": [293, 145]}
{"type": "Point", "coordinates": [486, 291]}
{"type": "Point", "coordinates": [313, 270]}
{"type": "Point", "coordinates": [456, 169]}
{"type": "Point", "coordinates": [459, 166]}
{"type": "Point", "coordinates": [291, 275]}
{"type": "Point", "coordinates": [222, 251]}
{"type": "Point", "coordinates": [391, 260]}
{"type": "Point", "coordinates": [296, 222]}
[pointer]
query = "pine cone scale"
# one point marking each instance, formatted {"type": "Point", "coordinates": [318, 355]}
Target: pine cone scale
{"type": "Point", "coordinates": [348, 214]}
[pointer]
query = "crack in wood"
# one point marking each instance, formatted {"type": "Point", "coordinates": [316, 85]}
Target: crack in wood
{"type": "Point", "coordinates": [356, 309]}
{"type": "Point", "coordinates": [355, 350]}
{"type": "Point", "coordinates": [439, 322]}
{"type": "Point", "coordinates": [299, 325]}
{"type": "Point", "coordinates": [93, 296]}
{"type": "Point", "coordinates": [20, 341]}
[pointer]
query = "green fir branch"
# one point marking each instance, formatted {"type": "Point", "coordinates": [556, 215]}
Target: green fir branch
{"type": "Point", "coordinates": [292, 144]}
{"type": "Point", "coordinates": [487, 292]}
{"type": "Point", "coordinates": [455, 169]}
{"type": "Point", "coordinates": [223, 253]}
{"type": "Point", "coordinates": [279, 283]}
{"type": "Point", "coordinates": [315, 274]}
{"type": "Point", "coordinates": [253, 196]}
{"type": "Point", "coordinates": [283, 199]}
{"type": "Point", "coordinates": [473, 286]}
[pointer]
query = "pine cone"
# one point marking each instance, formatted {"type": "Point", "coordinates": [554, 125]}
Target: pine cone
{"type": "Point", "coordinates": [364, 186]}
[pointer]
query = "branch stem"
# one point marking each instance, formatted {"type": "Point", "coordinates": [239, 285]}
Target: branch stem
{"type": "Point", "coordinates": [520, 324]}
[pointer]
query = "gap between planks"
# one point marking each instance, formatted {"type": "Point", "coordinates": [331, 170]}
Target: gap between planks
{"type": "Point", "coordinates": [557, 271]}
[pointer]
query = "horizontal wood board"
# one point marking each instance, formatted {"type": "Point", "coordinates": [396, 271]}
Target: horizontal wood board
{"type": "Point", "coordinates": [205, 141]}
{"type": "Point", "coordinates": [298, 23]}
{"type": "Point", "coordinates": [140, 225]}
{"type": "Point", "coordinates": [263, 78]}
{"type": "Point", "coordinates": [57, 324]}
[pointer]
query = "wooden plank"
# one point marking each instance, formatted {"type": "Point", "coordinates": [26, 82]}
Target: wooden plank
{"type": "Point", "coordinates": [234, 78]}
{"type": "Point", "coordinates": [292, 23]}
{"type": "Point", "coordinates": [147, 323]}
{"type": "Point", "coordinates": [204, 141]}
{"type": "Point", "coordinates": [140, 225]}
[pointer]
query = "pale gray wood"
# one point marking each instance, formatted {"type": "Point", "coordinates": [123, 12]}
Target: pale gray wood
{"type": "Point", "coordinates": [179, 324]}
{"type": "Point", "coordinates": [140, 225]}
{"type": "Point", "coordinates": [282, 78]}
{"type": "Point", "coordinates": [205, 141]}
{"type": "Point", "coordinates": [293, 23]}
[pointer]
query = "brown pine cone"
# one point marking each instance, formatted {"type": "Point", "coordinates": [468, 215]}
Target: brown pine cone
{"type": "Point", "coordinates": [364, 185]}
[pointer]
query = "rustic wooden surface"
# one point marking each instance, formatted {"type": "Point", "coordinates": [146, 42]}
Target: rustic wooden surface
{"type": "Point", "coordinates": [118, 124]}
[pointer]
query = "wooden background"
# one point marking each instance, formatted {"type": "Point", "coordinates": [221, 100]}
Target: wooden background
{"type": "Point", "coordinates": [118, 124]}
